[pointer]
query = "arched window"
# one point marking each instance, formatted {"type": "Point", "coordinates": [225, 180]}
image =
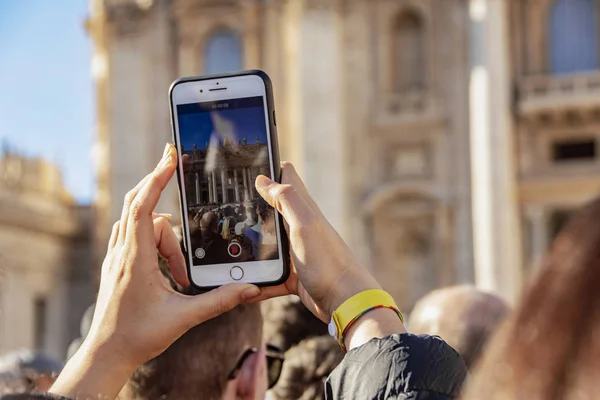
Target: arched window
{"type": "Point", "coordinates": [573, 36]}
{"type": "Point", "coordinates": [409, 49]}
{"type": "Point", "coordinates": [223, 52]}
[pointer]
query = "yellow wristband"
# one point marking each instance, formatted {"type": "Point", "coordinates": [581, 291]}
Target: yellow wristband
{"type": "Point", "coordinates": [355, 307]}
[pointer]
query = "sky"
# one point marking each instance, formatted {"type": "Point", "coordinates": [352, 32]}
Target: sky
{"type": "Point", "coordinates": [46, 90]}
{"type": "Point", "coordinates": [199, 128]}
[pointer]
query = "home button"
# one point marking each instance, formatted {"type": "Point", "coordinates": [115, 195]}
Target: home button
{"type": "Point", "coordinates": [236, 273]}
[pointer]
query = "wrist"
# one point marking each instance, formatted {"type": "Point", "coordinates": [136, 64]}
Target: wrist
{"type": "Point", "coordinates": [378, 323]}
{"type": "Point", "coordinates": [94, 370]}
{"type": "Point", "coordinates": [347, 286]}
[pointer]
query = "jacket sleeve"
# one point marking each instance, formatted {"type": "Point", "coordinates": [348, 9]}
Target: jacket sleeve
{"type": "Point", "coordinates": [401, 366]}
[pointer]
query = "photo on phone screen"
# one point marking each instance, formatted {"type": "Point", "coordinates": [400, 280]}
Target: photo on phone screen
{"type": "Point", "coordinates": [224, 147]}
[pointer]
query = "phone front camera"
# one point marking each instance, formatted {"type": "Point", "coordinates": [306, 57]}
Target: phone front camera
{"type": "Point", "coordinates": [201, 91]}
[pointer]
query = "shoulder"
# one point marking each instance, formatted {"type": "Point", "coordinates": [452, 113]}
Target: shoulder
{"type": "Point", "coordinates": [399, 365]}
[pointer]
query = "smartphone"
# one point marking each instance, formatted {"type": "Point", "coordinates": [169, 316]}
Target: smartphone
{"type": "Point", "coordinates": [225, 133]}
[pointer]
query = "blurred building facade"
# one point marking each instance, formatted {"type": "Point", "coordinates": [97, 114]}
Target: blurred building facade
{"type": "Point", "coordinates": [447, 140]}
{"type": "Point", "coordinates": [45, 257]}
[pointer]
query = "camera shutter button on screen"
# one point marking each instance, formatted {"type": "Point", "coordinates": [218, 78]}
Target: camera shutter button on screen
{"type": "Point", "coordinates": [236, 273]}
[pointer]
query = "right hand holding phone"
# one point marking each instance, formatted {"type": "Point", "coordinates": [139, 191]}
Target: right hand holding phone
{"type": "Point", "coordinates": [324, 271]}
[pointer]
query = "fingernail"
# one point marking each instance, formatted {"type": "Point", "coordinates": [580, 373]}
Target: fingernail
{"type": "Point", "coordinates": [262, 182]}
{"type": "Point", "coordinates": [250, 293]}
{"type": "Point", "coordinates": [167, 148]}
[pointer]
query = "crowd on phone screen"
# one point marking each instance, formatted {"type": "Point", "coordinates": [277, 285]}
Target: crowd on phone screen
{"type": "Point", "coordinates": [250, 227]}
{"type": "Point", "coordinates": [546, 348]}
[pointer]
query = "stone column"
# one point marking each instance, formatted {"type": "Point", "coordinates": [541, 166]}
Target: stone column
{"type": "Point", "coordinates": [250, 183]}
{"type": "Point", "coordinates": [237, 185]}
{"type": "Point", "coordinates": [539, 233]}
{"type": "Point", "coordinates": [314, 56]}
{"type": "Point", "coordinates": [211, 193]}
{"type": "Point", "coordinates": [214, 186]}
{"type": "Point", "coordinates": [198, 197]}
{"type": "Point", "coordinates": [245, 177]}
{"type": "Point", "coordinates": [223, 185]}
{"type": "Point", "coordinates": [496, 229]}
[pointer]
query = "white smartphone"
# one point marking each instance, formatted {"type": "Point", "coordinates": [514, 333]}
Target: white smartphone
{"type": "Point", "coordinates": [224, 130]}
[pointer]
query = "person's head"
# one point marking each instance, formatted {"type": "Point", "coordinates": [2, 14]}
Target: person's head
{"type": "Point", "coordinates": [266, 217]}
{"type": "Point", "coordinates": [198, 365]}
{"type": "Point", "coordinates": [465, 317]}
{"type": "Point", "coordinates": [228, 229]}
{"type": "Point", "coordinates": [549, 348]}
{"type": "Point", "coordinates": [27, 371]}
{"type": "Point", "coordinates": [228, 211]}
{"type": "Point", "coordinates": [209, 222]}
{"type": "Point", "coordinates": [306, 368]}
{"type": "Point", "coordinates": [251, 213]}
{"type": "Point", "coordinates": [287, 322]}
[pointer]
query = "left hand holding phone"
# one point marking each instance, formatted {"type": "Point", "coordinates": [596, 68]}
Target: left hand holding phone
{"type": "Point", "coordinates": [138, 315]}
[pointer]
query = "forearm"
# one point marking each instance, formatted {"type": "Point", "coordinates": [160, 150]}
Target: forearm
{"type": "Point", "coordinates": [92, 373]}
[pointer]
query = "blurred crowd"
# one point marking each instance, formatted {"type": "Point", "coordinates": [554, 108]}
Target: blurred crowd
{"type": "Point", "coordinates": [225, 234]}
{"type": "Point", "coordinates": [545, 348]}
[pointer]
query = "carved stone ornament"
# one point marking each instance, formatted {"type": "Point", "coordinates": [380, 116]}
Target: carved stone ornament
{"type": "Point", "coordinates": [127, 18]}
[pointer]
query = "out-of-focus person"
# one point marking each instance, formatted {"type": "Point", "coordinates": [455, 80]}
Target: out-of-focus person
{"type": "Point", "coordinates": [228, 228]}
{"type": "Point", "coordinates": [549, 347]}
{"type": "Point", "coordinates": [464, 316]}
{"type": "Point", "coordinates": [250, 221]}
{"type": "Point", "coordinates": [306, 368]}
{"type": "Point", "coordinates": [27, 371]}
{"type": "Point", "coordinates": [287, 322]}
{"type": "Point", "coordinates": [222, 358]}
{"type": "Point", "coordinates": [311, 354]}
{"type": "Point", "coordinates": [215, 248]}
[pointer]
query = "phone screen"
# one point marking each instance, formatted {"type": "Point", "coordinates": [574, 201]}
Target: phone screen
{"type": "Point", "coordinates": [224, 147]}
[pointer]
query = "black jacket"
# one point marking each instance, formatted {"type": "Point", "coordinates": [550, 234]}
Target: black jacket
{"type": "Point", "coordinates": [402, 366]}
{"type": "Point", "coordinates": [399, 367]}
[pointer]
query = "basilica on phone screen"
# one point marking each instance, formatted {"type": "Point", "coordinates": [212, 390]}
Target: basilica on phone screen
{"type": "Point", "coordinates": [446, 140]}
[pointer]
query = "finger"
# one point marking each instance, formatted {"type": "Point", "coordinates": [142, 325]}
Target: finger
{"type": "Point", "coordinates": [168, 216]}
{"type": "Point", "coordinates": [168, 246]}
{"type": "Point", "coordinates": [287, 200]}
{"type": "Point", "coordinates": [290, 176]}
{"type": "Point", "coordinates": [114, 235]}
{"type": "Point", "coordinates": [270, 292]}
{"type": "Point", "coordinates": [142, 207]}
{"type": "Point", "coordinates": [200, 308]}
{"type": "Point", "coordinates": [130, 197]}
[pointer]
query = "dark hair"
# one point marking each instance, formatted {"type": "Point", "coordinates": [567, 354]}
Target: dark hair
{"type": "Point", "coordinates": [287, 322]}
{"type": "Point", "coordinates": [548, 349]}
{"type": "Point", "coordinates": [209, 222]}
{"type": "Point", "coordinates": [306, 368]}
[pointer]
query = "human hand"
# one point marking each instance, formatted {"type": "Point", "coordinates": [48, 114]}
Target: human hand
{"type": "Point", "coordinates": [138, 315]}
{"type": "Point", "coordinates": [324, 271]}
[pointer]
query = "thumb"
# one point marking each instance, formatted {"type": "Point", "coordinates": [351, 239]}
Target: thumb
{"type": "Point", "coordinates": [285, 199]}
{"type": "Point", "coordinates": [218, 301]}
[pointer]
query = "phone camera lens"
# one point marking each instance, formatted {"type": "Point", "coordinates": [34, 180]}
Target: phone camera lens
{"type": "Point", "coordinates": [217, 83]}
{"type": "Point", "coordinates": [201, 91]}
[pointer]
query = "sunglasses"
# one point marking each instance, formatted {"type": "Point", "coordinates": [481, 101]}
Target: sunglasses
{"type": "Point", "coordinates": [275, 358]}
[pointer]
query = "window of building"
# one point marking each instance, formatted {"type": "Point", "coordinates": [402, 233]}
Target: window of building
{"type": "Point", "coordinates": [573, 38]}
{"type": "Point", "coordinates": [223, 52]}
{"type": "Point", "coordinates": [39, 322]}
{"type": "Point", "coordinates": [574, 150]}
{"type": "Point", "coordinates": [409, 49]}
